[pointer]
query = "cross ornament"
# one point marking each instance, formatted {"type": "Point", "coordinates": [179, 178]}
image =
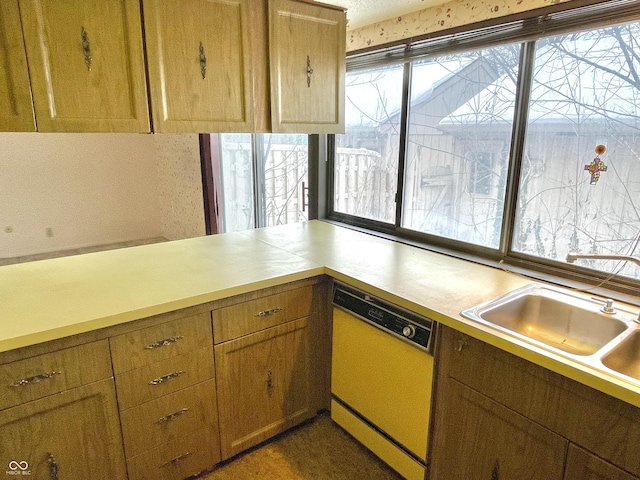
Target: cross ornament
{"type": "Point", "coordinates": [595, 167]}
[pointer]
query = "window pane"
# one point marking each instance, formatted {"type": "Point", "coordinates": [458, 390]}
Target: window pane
{"type": "Point", "coordinates": [236, 174]}
{"type": "Point", "coordinates": [366, 163]}
{"type": "Point", "coordinates": [282, 165]}
{"type": "Point", "coordinates": [459, 137]}
{"type": "Point", "coordinates": [586, 92]}
{"type": "Point", "coordinates": [283, 161]}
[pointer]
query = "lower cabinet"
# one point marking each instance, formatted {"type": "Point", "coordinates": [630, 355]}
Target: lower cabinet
{"type": "Point", "coordinates": [263, 385]}
{"type": "Point", "coordinates": [167, 398]}
{"type": "Point", "coordinates": [158, 399]}
{"type": "Point", "coordinates": [69, 435]}
{"type": "Point", "coordinates": [498, 416]}
{"type": "Point", "coordinates": [582, 465]}
{"type": "Point", "coordinates": [488, 441]}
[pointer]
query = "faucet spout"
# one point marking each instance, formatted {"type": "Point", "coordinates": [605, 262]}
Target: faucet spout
{"type": "Point", "coordinates": [572, 257]}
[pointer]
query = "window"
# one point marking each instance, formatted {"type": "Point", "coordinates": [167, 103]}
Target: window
{"type": "Point", "coordinates": [460, 119]}
{"type": "Point", "coordinates": [510, 148]}
{"type": "Point", "coordinates": [260, 180]}
{"type": "Point", "coordinates": [585, 93]}
{"type": "Point", "coordinates": [366, 160]}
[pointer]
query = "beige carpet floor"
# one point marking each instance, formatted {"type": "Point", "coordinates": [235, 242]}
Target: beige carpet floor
{"type": "Point", "coordinates": [319, 450]}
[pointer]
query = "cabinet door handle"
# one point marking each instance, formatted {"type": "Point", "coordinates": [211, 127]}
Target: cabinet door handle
{"type": "Point", "coordinates": [86, 48]}
{"type": "Point", "coordinates": [172, 416]}
{"type": "Point", "coordinates": [495, 473]}
{"type": "Point", "coordinates": [267, 313]}
{"type": "Point", "coordinates": [309, 72]}
{"type": "Point", "coordinates": [165, 378]}
{"type": "Point", "coordinates": [173, 461]}
{"type": "Point", "coordinates": [203, 62]}
{"type": "Point", "coordinates": [53, 466]}
{"type": "Point", "coordinates": [461, 342]}
{"type": "Point", "coordinates": [35, 379]}
{"type": "Point", "coordinates": [164, 343]}
{"type": "Point", "coordinates": [269, 382]}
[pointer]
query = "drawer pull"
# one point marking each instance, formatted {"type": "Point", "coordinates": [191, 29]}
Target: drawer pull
{"type": "Point", "coordinates": [165, 378]}
{"type": "Point", "coordinates": [267, 313]}
{"type": "Point", "coordinates": [35, 379]}
{"type": "Point", "coordinates": [164, 343]}
{"type": "Point", "coordinates": [53, 466]}
{"type": "Point", "coordinates": [173, 461]}
{"type": "Point", "coordinates": [172, 416]}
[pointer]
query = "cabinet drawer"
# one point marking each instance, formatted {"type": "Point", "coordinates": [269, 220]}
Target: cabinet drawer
{"type": "Point", "coordinates": [160, 378]}
{"type": "Point", "coordinates": [149, 345]}
{"type": "Point", "coordinates": [37, 377]}
{"type": "Point", "coordinates": [168, 418]}
{"type": "Point", "coordinates": [180, 458]}
{"type": "Point", "coordinates": [249, 317]}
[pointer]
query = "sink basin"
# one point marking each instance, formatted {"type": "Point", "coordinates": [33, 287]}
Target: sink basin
{"type": "Point", "coordinates": [551, 317]}
{"type": "Point", "coordinates": [624, 358]}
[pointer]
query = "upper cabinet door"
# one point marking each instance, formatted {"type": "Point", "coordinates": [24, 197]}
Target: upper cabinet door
{"type": "Point", "coordinates": [16, 111]}
{"type": "Point", "coordinates": [199, 65]}
{"type": "Point", "coordinates": [307, 45]}
{"type": "Point", "coordinates": [86, 65]}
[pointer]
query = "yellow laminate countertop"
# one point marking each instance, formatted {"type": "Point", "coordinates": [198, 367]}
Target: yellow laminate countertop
{"type": "Point", "coordinates": [51, 299]}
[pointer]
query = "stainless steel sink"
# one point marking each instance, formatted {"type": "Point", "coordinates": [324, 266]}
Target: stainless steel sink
{"type": "Point", "coordinates": [553, 318]}
{"type": "Point", "coordinates": [624, 358]}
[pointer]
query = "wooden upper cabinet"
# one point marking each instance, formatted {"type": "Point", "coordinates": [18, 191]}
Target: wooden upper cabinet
{"type": "Point", "coordinates": [307, 45]}
{"type": "Point", "coordinates": [199, 55]}
{"type": "Point", "coordinates": [86, 65]}
{"type": "Point", "coordinates": [16, 111]}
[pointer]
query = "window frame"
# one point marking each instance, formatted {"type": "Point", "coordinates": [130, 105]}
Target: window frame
{"type": "Point", "coordinates": [539, 24]}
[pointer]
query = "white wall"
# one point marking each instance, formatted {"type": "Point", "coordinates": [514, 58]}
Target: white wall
{"type": "Point", "coordinates": [89, 189]}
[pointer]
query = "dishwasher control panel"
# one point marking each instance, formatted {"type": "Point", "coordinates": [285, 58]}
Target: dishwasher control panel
{"type": "Point", "coordinates": [387, 316]}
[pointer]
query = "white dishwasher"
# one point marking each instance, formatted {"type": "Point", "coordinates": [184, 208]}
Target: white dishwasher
{"type": "Point", "coordinates": [381, 378]}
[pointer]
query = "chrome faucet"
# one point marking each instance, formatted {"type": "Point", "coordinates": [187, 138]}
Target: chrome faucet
{"type": "Point", "coordinates": [608, 308]}
{"type": "Point", "coordinates": [572, 257]}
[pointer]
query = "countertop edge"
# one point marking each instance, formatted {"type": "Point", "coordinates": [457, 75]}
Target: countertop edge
{"type": "Point", "coordinates": [90, 325]}
{"type": "Point", "coordinates": [610, 385]}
